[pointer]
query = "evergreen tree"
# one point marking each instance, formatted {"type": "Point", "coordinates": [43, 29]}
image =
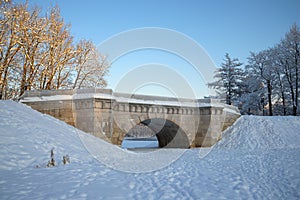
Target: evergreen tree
{"type": "Point", "coordinates": [229, 80]}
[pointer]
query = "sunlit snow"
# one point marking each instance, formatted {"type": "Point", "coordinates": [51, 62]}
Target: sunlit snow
{"type": "Point", "coordinates": [258, 158]}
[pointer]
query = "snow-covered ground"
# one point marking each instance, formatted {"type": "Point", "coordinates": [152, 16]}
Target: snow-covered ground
{"type": "Point", "coordinates": [258, 158]}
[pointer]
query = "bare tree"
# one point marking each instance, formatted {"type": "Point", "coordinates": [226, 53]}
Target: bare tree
{"type": "Point", "coordinates": [289, 59]}
{"type": "Point", "coordinates": [32, 30]}
{"type": "Point", "coordinates": [9, 43]}
{"type": "Point", "coordinates": [59, 51]}
{"type": "Point", "coordinates": [90, 66]}
{"type": "Point", "coordinates": [38, 53]}
{"type": "Point", "coordinates": [260, 64]}
{"type": "Point", "coordinates": [3, 2]}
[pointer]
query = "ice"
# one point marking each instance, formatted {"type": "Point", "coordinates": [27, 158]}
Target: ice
{"type": "Point", "coordinates": [130, 142]}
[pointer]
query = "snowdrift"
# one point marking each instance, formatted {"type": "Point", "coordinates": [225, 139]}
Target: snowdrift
{"type": "Point", "coordinates": [28, 136]}
{"type": "Point", "coordinates": [262, 133]}
{"type": "Point", "coordinates": [258, 158]}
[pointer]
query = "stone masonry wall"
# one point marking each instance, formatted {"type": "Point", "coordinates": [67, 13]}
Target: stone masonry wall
{"type": "Point", "coordinates": [110, 120]}
{"type": "Point", "coordinates": [61, 110]}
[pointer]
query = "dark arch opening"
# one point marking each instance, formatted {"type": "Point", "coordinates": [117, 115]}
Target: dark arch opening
{"type": "Point", "coordinates": [168, 133]}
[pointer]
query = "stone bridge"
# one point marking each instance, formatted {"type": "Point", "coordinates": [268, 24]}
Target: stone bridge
{"type": "Point", "coordinates": [111, 116]}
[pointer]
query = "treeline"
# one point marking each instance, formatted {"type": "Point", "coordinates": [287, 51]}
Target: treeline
{"type": "Point", "coordinates": [268, 84]}
{"type": "Point", "coordinates": [38, 52]}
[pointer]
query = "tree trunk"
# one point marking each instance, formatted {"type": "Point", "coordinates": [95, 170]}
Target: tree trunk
{"type": "Point", "coordinates": [283, 103]}
{"type": "Point", "coordinates": [297, 80]}
{"type": "Point", "coordinates": [270, 97]}
{"type": "Point", "coordinates": [23, 79]}
{"type": "Point", "coordinates": [293, 100]}
{"type": "Point", "coordinates": [4, 83]}
{"type": "Point", "coordinates": [282, 93]}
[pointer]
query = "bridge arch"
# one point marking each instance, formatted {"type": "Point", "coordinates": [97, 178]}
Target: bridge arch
{"type": "Point", "coordinates": [167, 132]}
{"type": "Point", "coordinates": [110, 116]}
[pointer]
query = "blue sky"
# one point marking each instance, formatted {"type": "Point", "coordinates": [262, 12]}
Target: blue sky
{"type": "Point", "coordinates": [219, 26]}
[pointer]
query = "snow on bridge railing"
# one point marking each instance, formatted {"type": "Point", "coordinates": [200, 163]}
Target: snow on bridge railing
{"type": "Point", "coordinates": [69, 94]}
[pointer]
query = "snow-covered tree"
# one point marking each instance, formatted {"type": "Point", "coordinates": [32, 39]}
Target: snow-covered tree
{"type": "Point", "coordinates": [260, 68]}
{"type": "Point", "coordinates": [253, 97]}
{"type": "Point", "coordinates": [280, 86]}
{"type": "Point", "coordinates": [274, 74]}
{"type": "Point", "coordinates": [229, 80]}
{"type": "Point", "coordinates": [289, 59]}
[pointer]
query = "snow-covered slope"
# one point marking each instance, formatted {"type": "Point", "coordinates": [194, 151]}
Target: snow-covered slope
{"type": "Point", "coordinates": [28, 136]}
{"type": "Point", "coordinates": [258, 158]}
{"type": "Point", "coordinates": [254, 132]}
